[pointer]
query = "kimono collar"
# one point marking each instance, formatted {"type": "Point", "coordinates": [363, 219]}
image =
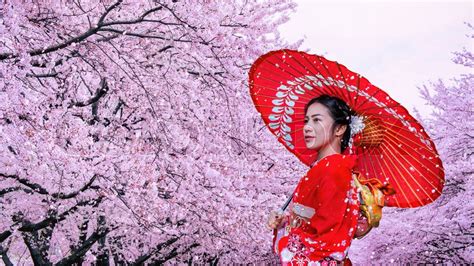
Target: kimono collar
{"type": "Point", "coordinates": [348, 161]}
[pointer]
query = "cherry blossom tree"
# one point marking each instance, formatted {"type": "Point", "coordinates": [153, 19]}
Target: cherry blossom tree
{"type": "Point", "coordinates": [128, 135]}
{"type": "Point", "coordinates": [441, 232]}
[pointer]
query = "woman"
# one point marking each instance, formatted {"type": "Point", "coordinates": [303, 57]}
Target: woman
{"type": "Point", "coordinates": [323, 214]}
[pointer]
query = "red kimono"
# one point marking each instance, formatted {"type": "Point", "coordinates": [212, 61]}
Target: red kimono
{"type": "Point", "coordinates": [326, 207]}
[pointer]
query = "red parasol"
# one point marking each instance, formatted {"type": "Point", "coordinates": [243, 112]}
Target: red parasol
{"type": "Point", "coordinates": [392, 146]}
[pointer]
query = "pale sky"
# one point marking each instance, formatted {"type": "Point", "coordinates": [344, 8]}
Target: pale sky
{"type": "Point", "coordinates": [397, 45]}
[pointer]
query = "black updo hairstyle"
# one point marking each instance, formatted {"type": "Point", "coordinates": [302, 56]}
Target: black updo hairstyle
{"type": "Point", "coordinates": [340, 113]}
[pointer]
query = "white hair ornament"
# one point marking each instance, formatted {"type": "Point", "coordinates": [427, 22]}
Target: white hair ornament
{"type": "Point", "coordinates": [356, 125]}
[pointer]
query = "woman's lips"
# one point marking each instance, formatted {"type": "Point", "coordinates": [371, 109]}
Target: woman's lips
{"type": "Point", "coordinates": [308, 138]}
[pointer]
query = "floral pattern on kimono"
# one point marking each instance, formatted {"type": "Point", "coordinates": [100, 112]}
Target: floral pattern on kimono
{"type": "Point", "coordinates": [326, 198]}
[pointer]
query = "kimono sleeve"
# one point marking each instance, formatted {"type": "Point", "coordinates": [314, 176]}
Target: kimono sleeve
{"type": "Point", "coordinates": [329, 199]}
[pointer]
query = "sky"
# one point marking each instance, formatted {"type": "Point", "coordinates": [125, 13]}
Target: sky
{"type": "Point", "coordinates": [397, 45]}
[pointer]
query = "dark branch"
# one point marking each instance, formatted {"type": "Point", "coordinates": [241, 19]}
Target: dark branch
{"type": "Point", "coordinates": [37, 63]}
{"type": "Point", "coordinates": [53, 219]}
{"type": "Point", "coordinates": [173, 254]}
{"type": "Point", "coordinates": [41, 190]}
{"type": "Point", "coordinates": [107, 11]}
{"type": "Point", "coordinates": [4, 256]}
{"type": "Point", "coordinates": [141, 260]}
{"type": "Point", "coordinates": [104, 88]}
{"type": "Point", "coordinates": [141, 35]}
{"type": "Point", "coordinates": [100, 27]}
{"type": "Point", "coordinates": [56, 47]}
{"type": "Point", "coordinates": [91, 31]}
{"type": "Point", "coordinates": [75, 193]}
{"type": "Point", "coordinates": [5, 235]}
{"type": "Point", "coordinates": [47, 75]}
{"type": "Point", "coordinates": [177, 17]}
{"type": "Point", "coordinates": [236, 25]}
{"type": "Point", "coordinates": [81, 251]}
{"type": "Point", "coordinates": [33, 186]}
{"type": "Point", "coordinates": [165, 48]}
{"type": "Point", "coordinates": [138, 20]}
{"type": "Point", "coordinates": [8, 190]}
{"type": "Point", "coordinates": [35, 251]}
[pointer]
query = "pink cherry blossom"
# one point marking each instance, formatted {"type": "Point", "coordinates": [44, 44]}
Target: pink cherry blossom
{"type": "Point", "coordinates": [128, 135]}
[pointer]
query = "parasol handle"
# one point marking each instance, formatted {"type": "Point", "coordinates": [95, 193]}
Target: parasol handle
{"type": "Point", "coordinates": [283, 208]}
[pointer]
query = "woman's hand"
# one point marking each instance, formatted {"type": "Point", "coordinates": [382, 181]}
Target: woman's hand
{"type": "Point", "coordinates": [275, 219]}
{"type": "Point", "coordinates": [363, 226]}
{"type": "Point", "coordinates": [296, 220]}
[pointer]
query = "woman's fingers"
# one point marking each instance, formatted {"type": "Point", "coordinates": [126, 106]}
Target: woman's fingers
{"type": "Point", "coordinates": [271, 225]}
{"type": "Point", "coordinates": [273, 214]}
{"type": "Point", "coordinates": [278, 215]}
{"type": "Point", "coordinates": [274, 219]}
{"type": "Point", "coordinates": [274, 224]}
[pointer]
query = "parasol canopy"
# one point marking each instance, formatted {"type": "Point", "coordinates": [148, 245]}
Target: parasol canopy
{"type": "Point", "coordinates": [392, 146]}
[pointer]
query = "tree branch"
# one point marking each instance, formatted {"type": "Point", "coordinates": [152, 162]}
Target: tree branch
{"type": "Point", "coordinates": [55, 47]}
{"type": "Point", "coordinates": [81, 251]}
{"type": "Point", "coordinates": [35, 187]}
{"type": "Point", "coordinates": [91, 31]}
{"type": "Point", "coordinates": [41, 190]}
{"type": "Point", "coordinates": [177, 17]}
{"type": "Point", "coordinates": [173, 254]}
{"type": "Point", "coordinates": [8, 190]}
{"type": "Point", "coordinates": [53, 219]}
{"type": "Point", "coordinates": [141, 260]}
{"type": "Point", "coordinates": [4, 256]}
{"type": "Point", "coordinates": [75, 193]}
{"type": "Point", "coordinates": [104, 88]}
{"type": "Point", "coordinates": [107, 11]}
{"type": "Point", "coordinates": [5, 235]}
{"type": "Point", "coordinates": [47, 75]}
{"type": "Point", "coordinates": [35, 252]}
{"type": "Point", "coordinates": [138, 20]}
{"type": "Point", "coordinates": [100, 27]}
{"type": "Point", "coordinates": [142, 35]}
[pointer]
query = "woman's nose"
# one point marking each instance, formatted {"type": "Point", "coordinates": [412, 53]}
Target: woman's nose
{"type": "Point", "coordinates": [307, 128]}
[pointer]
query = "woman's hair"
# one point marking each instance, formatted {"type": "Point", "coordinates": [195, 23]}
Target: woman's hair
{"type": "Point", "coordinates": [340, 113]}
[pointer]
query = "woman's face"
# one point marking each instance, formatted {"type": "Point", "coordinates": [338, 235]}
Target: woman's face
{"type": "Point", "coordinates": [317, 127]}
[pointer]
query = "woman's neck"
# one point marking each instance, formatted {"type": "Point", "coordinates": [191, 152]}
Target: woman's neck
{"type": "Point", "coordinates": [326, 152]}
{"type": "Point", "coordinates": [322, 157]}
